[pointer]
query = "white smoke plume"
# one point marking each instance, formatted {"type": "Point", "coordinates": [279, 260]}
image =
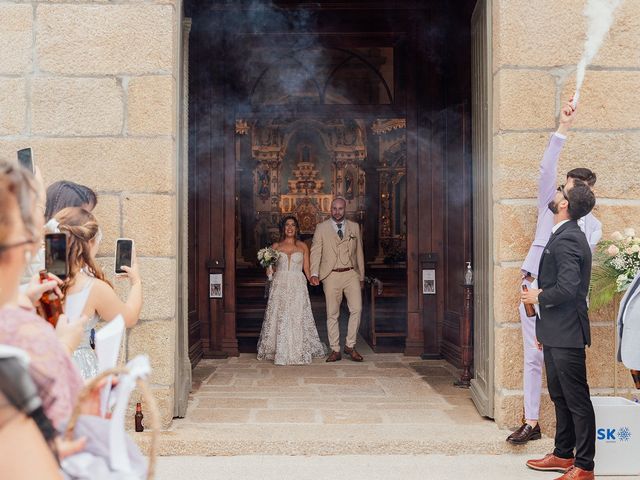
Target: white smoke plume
{"type": "Point", "coordinates": [599, 15]}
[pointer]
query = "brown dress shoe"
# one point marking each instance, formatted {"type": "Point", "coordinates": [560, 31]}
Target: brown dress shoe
{"type": "Point", "coordinates": [551, 463]}
{"type": "Point", "coordinates": [575, 473]}
{"type": "Point", "coordinates": [525, 433]}
{"type": "Point", "coordinates": [334, 356]}
{"type": "Point", "coordinates": [353, 354]}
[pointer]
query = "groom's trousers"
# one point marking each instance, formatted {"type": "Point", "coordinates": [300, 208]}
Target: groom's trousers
{"type": "Point", "coordinates": [337, 285]}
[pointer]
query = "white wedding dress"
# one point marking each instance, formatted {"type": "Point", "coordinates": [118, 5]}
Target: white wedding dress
{"type": "Point", "coordinates": [289, 335]}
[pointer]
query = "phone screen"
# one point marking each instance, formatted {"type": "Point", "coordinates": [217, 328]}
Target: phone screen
{"type": "Point", "coordinates": [124, 250]}
{"type": "Point", "coordinates": [55, 245]}
{"type": "Point", "coordinates": [25, 158]}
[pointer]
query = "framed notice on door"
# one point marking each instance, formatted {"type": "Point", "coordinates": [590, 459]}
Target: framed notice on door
{"type": "Point", "coordinates": [428, 282]}
{"type": "Point", "coordinates": [215, 285]}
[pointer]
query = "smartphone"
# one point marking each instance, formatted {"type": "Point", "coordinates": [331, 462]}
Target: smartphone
{"type": "Point", "coordinates": [55, 246]}
{"type": "Point", "coordinates": [124, 253]}
{"type": "Point", "coordinates": [25, 158]}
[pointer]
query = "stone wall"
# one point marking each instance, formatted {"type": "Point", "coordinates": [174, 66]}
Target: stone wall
{"type": "Point", "coordinates": [536, 46]}
{"type": "Point", "coordinates": [90, 86]}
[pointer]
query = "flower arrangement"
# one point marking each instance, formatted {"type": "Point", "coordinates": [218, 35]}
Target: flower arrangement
{"type": "Point", "coordinates": [267, 257]}
{"type": "Point", "coordinates": [617, 262]}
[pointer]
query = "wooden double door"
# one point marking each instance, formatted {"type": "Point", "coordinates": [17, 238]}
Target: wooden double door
{"type": "Point", "coordinates": [381, 91]}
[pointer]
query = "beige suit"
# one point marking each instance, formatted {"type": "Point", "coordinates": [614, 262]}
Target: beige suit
{"type": "Point", "coordinates": [329, 253]}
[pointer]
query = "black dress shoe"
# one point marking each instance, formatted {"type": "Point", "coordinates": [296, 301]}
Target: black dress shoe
{"type": "Point", "coordinates": [525, 433]}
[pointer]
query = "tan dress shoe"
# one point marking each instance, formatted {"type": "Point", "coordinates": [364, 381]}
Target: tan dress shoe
{"type": "Point", "coordinates": [551, 463]}
{"type": "Point", "coordinates": [575, 473]}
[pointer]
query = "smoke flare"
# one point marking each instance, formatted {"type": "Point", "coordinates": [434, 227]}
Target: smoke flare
{"type": "Point", "coordinates": [599, 15]}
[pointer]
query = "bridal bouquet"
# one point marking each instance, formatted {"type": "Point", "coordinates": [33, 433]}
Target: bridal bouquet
{"type": "Point", "coordinates": [617, 262]}
{"type": "Point", "coordinates": [267, 257]}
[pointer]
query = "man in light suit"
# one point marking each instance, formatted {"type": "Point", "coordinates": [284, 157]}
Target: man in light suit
{"type": "Point", "coordinates": [592, 228]}
{"type": "Point", "coordinates": [337, 260]}
{"type": "Point", "coordinates": [629, 326]}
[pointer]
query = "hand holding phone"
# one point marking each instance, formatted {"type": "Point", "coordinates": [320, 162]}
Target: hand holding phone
{"type": "Point", "coordinates": [124, 255]}
{"type": "Point", "coordinates": [55, 257]}
{"type": "Point", "coordinates": [126, 264]}
{"type": "Point", "coordinates": [25, 159]}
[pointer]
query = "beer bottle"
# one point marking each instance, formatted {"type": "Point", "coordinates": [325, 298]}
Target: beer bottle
{"type": "Point", "coordinates": [528, 308]}
{"type": "Point", "coordinates": [139, 417]}
{"type": "Point", "coordinates": [50, 303]}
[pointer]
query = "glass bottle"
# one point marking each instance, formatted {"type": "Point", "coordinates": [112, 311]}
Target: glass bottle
{"type": "Point", "coordinates": [468, 275]}
{"type": "Point", "coordinates": [139, 417]}
{"type": "Point", "coordinates": [529, 309]}
{"type": "Point", "coordinates": [50, 303]}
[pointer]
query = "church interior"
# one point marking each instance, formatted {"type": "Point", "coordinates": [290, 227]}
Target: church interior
{"type": "Point", "coordinates": [292, 104]}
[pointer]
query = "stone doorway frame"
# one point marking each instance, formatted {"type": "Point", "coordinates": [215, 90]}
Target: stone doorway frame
{"type": "Point", "coordinates": [182, 378]}
{"type": "Point", "coordinates": [482, 383]}
{"type": "Point", "coordinates": [182, 364]}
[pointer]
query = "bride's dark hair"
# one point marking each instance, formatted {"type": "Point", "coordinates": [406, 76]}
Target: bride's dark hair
{"type": "Point", "coordinates": [284, 222]}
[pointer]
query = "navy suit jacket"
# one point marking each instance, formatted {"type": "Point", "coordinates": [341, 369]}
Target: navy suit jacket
{"type": "Point", "coordinates": [563, 275]}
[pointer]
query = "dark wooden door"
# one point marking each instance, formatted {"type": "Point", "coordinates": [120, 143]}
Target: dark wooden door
{"type": "Point", "coordinates": [225, 40]}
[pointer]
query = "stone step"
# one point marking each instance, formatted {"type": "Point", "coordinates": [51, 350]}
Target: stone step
{"type": "Point", "coordinates": [335, 440]}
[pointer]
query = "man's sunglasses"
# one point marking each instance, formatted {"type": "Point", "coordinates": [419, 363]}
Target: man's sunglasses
{"type": "Point", "coordinates": [561, 190]}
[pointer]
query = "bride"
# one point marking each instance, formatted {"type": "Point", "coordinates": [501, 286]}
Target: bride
{"type": "Point", "coordinates": [289, 335]}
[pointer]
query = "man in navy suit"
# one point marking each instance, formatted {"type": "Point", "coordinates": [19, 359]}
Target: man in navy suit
{"type": "Point", "coordinates": [563, 330]}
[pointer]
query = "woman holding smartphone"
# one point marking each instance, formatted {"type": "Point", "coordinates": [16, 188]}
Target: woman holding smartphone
{"type": "Point", "coordinates": [86, 289]}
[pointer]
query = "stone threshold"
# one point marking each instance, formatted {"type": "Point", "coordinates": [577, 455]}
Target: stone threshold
{"type": "Point", "coordinates": [339, 441]}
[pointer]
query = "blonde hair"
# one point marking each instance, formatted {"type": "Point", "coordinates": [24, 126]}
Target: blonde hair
{"type": "Point", "coordinates": [16, 185]}
{"type": "Point", "coordinates": [81, 227]}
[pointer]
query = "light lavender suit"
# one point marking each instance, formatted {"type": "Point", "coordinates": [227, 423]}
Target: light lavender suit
{"type": "Point", "coordinates": [533, 358]}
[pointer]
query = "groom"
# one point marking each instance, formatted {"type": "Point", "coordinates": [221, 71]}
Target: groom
{"type": "Point", "coordinates": [337, 260]}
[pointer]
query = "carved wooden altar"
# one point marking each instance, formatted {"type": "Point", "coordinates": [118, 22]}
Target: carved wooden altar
{"type": "Point", "coordinates": [298, 167]}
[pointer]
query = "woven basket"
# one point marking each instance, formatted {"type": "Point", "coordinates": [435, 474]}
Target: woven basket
{"type": "Point", "coordinates": [150, 406]}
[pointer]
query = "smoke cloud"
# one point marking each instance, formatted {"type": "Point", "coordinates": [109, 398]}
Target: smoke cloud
{"type": "Point", "coordinates": [599, 15]}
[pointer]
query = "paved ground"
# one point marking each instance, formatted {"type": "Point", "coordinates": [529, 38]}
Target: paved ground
{"type": "Point", "coordinates": [353, 467]}
{"type": "Point", "coordinates": [391, 417]}
{"type": "Point", "coordinates": [389, 404]}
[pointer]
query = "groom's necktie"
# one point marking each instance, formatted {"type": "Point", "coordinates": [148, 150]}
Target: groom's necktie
{"type": "Point", "coordinates": [340, 234]}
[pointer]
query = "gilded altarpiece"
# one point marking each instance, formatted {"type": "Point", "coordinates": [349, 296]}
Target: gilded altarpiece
{"type": "Point", "coordinates": [391, 169]}
{"type": "Point", "coordinates": [296, 167]}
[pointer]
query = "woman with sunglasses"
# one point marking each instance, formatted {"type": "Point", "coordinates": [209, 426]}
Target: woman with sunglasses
{"type": "Point", "coordinates": [20, 326]}
{"type": "Point", "coordinates": [86, 290]}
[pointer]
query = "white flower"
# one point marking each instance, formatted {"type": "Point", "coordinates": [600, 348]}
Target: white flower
{"type": "Point", "coordinates": [617, 236]}
{"type": "Point", "coordinates": [629, 232]}
{"type": "Point", "coordinates": [635, 248]}
{"type": "Point", "coordinates": [622, 283]}
{"type": "Point", "coordinates": [618, 262]}
{"type": "Point", "coordinates": [613, 250]}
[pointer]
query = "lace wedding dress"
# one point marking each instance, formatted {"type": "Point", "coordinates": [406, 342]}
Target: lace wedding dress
{"type": "Point", "coordinates": [289, 335]}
